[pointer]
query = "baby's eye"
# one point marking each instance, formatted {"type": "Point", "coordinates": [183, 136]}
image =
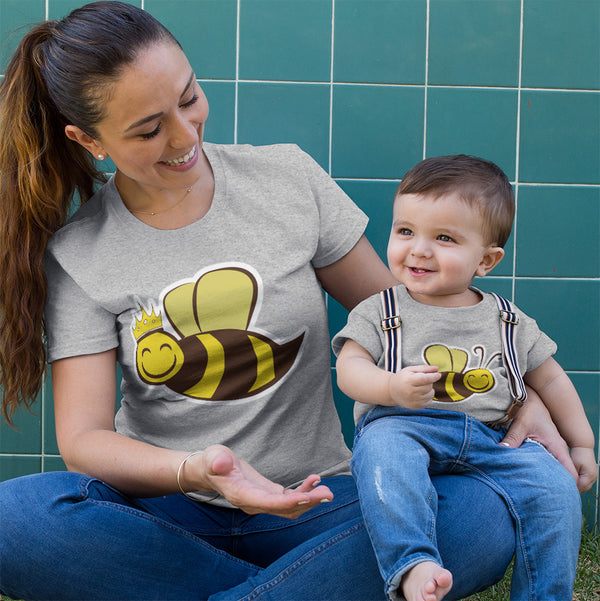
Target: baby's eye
{"type": "Point", "coordinates": [445, 238]}
{"type": "Point", "coordinates": [404, 231]}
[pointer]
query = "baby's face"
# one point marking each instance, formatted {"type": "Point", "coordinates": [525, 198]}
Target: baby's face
{"type": "Point", "coordinates": [437, 247]}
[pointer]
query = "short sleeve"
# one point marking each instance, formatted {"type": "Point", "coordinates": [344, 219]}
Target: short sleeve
{"type": "Point", "coordinates": [364, 327]}
{"type": "Point", "coordinates": [341, 222]}
{"type": "Point", "coordinates": [540, 346]}
{"type": "Point", "coordinates": [75, 324]}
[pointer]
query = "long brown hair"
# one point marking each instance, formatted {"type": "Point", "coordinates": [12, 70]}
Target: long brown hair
{"type": "Point", "coordinates": [58, 75]}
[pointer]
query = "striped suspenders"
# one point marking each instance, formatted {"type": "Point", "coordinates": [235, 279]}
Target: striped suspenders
{"type": "Point", "coordinates": [391, 325]}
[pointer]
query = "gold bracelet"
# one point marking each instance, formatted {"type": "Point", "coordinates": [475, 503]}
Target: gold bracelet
{"type": "Point", "coordinates": [179, 481]}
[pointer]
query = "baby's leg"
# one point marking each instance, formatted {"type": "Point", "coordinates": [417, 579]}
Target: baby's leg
{"type": "Point", "coordinates": [427, 581]}
{"type": "Point", "coordinates": [399, 502]}
{"type": "Point", "coordinates": [542, 497]}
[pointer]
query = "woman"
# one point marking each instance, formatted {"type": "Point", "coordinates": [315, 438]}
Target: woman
{"type": "Point", "coordinates": [199, 269]}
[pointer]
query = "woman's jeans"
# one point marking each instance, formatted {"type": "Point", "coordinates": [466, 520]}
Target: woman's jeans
{"type": "Point", "coordinates": [395, 452]}
{"type": "Point", "coordinates": [68, 536]}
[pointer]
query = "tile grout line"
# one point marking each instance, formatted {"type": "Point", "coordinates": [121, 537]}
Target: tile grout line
{"type": "Point", "coordinates": [517, 151]}
{"type": "Point", "coordinates": [332, 49]}
{"type": "Point", "coordinates": [237, 73]}
{"type": "Point", "coordinates": [426, 85]}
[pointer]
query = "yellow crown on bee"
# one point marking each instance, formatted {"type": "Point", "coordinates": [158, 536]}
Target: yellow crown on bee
{"type": "Point", "coordinates": [147, 323]}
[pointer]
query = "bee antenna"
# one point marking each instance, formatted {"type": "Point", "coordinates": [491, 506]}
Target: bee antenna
{"type": "Point", "coordinates": [479, 351]}
{"type": "Point", "coordinates": [492, 358]}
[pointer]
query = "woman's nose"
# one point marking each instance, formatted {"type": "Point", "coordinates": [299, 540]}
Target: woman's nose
{"type": "Point", "coordinates": [184, 133]}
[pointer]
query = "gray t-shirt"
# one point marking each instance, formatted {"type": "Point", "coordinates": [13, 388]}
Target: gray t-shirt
{"type": "Point", "coordinates": [221, 326]}
{"type": "Point", "coordinates": [464, 342]}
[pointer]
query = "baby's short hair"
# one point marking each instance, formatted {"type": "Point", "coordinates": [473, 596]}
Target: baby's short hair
{"type": "Point", "coordinates": [478, 182]}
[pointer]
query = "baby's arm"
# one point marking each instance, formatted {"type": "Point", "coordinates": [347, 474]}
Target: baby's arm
{"type": "Point", "coordinates": [360, 379]}
{"type": "Point", "coordinates": [557, 392]}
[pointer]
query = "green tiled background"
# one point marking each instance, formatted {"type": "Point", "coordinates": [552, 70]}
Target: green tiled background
{"type": "Point", "coordinates": [369, 87]}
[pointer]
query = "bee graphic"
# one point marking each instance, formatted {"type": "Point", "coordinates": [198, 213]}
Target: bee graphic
{"type": "Point", "coordinates": [214, 355]}
{"type": "Point", "coordinates": [456, 384]}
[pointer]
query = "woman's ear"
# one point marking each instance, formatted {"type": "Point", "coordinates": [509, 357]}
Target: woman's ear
{"type": "Point", "coordinates": [491, 257]}
{"type": "Point", "coordinates": [90, 144]}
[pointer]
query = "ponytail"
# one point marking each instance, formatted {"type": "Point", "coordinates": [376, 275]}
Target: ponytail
{"type": "Point", "coordinates": [40, 171]}
{"type": "Point", "coordinates": [58, 76]}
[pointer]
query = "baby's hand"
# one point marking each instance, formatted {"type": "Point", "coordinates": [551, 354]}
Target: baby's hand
{"type": "Point", "coordinates": [412, 387]}
{"type": "Point", "coordinates": [586, 465]}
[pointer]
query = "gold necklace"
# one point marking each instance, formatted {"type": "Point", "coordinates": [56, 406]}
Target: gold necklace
{"type": "Point", "coordinates": [164, 210]}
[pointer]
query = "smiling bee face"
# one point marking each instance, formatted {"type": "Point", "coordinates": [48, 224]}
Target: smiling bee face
{"type": "Point", "coordinates": [478, 380]}
{"type": "Point", "coordinates": [158, 357]}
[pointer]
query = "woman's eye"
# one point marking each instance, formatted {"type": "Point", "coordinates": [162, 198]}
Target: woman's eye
{"type": "Point", "coordinates": [193, 100]}
{"type": "Point", "coordinates": [151, 134]}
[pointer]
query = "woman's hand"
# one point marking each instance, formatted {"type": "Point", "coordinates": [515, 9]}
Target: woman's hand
{"type": "Point", "coordinates": [220, 469]}
{"type": "Point", "coordinates": [533, 421]}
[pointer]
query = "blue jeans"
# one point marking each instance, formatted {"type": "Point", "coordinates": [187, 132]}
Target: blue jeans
{"type": "Point", "coordinates": [68, 536]}
{"type": "Point", "coordinates": [395, 452]}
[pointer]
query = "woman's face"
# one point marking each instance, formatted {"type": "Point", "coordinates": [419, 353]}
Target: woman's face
{"type": "Point", "coordinates": [154, 123]}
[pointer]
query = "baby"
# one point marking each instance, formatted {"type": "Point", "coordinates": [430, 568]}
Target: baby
{"type": "Point", "coordinates": [424, 361]}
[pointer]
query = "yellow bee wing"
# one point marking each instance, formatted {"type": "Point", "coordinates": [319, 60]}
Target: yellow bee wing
{"type": "Point", "coordinates": [447, 359]}
{"type": "Point", "coordinates": [179, 308]}
{"type": "Point", "coordinates": [225, 299]}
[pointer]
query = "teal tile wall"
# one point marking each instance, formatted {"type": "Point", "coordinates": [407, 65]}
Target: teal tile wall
{"type": "Point", "coordinates": [370, 87]}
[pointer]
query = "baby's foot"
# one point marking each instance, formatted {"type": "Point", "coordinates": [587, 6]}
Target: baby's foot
{"type": "Point", "coordinates": [427, 581]}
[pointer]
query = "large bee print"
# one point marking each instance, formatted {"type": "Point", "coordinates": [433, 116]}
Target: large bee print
{"type": "Point", "coordinates": [456, 384]}
{"type": "Point", "coordinates": [208, 352]}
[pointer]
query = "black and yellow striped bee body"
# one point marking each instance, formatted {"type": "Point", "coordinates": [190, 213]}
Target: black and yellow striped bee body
{"type": "Point", "coordinates": [231, 364]}
{"type": "Point", "coordinates": [212, 354]}
{"type": "Point", "coordinates": [456, 384]}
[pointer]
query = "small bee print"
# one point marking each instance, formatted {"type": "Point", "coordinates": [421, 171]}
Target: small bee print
{"type": "Point", "coordinates": [456, 384]}
{"type": "Point", "coordinates": [213, 355]}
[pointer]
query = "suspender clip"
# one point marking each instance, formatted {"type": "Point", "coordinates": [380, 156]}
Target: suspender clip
{"type": "Point", "coordinates": [391, 323]}
{"type": "Point", "coordinates": [509, 317]}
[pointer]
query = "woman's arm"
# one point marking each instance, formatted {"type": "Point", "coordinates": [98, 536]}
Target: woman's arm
{"type": "Point", "coordinates": [356, 276]}
{"type": "Point", "coordinates": [560, 397]}
{"type": "Point", "coordinates": [84, 399]}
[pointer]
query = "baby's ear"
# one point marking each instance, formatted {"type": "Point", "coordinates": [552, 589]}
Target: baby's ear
{"type": "Point", "coordinates": [491, 257]}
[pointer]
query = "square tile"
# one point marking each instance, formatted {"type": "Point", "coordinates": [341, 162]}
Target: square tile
{"type": "Point", "coordinates": [17, 17]}
{"type": "Point", "coordinates": [376, 199]}
{"type": "Point", "coordinates": [18, 465]}
{"type": "Point", "coordinates": [26, 437]}
{"type": "Point", "coordinates": [54, 464]}
{"type": "Point", "coordinates": [377, 130]}
{"type": "Point", "coordinates": [559, 137]}
{"type": "Point", "coordinates": [279, 112]}
{"type": "Point", "coordinates": [499, 285]}
{"type": "Point", "coordinates": [566, 310]}
{"type": "Point", "coordinates": [558, 231]}
{"type": "Point", "coordinates": [50, 444]}
{"type": "Point", "coordinates": [368, 48]}
{"type": "Point", "coordinates": [561, 44]}
{"type": "Point", "coordinates": [206, 29]}
{"type": "Point", "coordinates": [220, 126]}
{"type": "Point", "coordinates": [288, 40]}
{"type": "Point", "coordinates": [474, 42]}
{"type": "Point", "coordinates": [473, 121]}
